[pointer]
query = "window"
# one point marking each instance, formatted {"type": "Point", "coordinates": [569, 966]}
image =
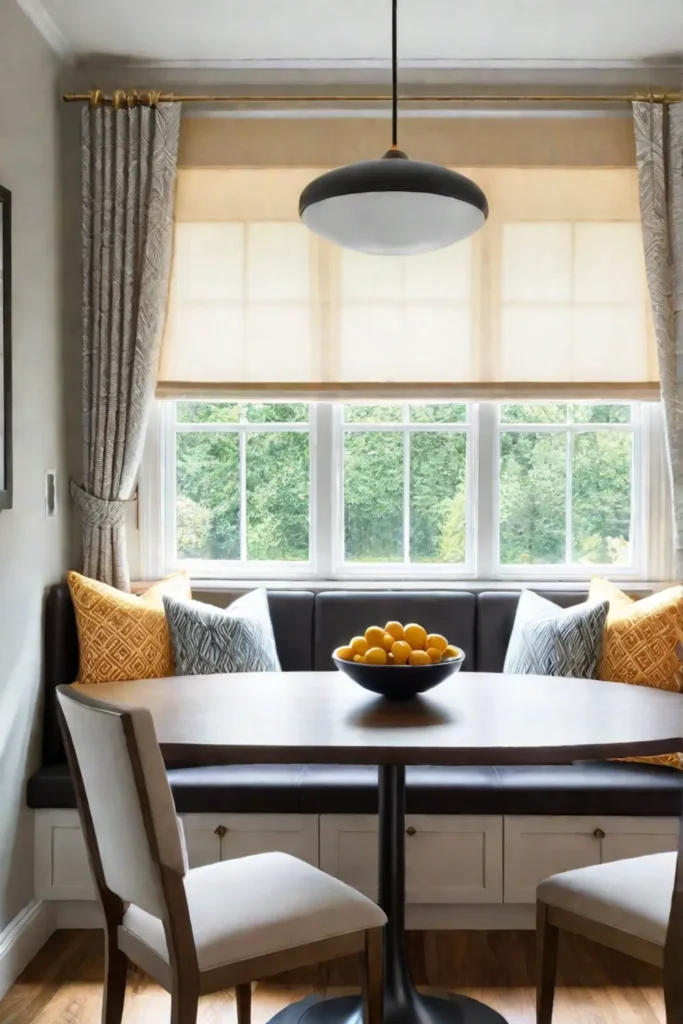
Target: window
{"type": "Point", "coordinates": [405, 490]}
{"type": "Point", "coordinates": [387, 454]}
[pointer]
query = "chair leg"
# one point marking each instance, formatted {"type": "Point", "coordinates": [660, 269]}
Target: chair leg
{"type": "Point", "coordinates": [673, 986]}
{"type": "Point", "coordinates": [373, 976]}
{"type": "Point", "coordinates": [115, 969]}
{"type": "Point", "coordinates": [546, 964]}
{"type": "Point", "coordinates": [243, 1002]}
{"type": "Point", "coordinates": [185, 1000]}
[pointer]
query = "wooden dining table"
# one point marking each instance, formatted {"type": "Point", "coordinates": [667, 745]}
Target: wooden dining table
{"type": "Point", "coordinates": [471, 719]}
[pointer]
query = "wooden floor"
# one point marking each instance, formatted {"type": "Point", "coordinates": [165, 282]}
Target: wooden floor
{"type": "Point", "coordinates": [596, 986]}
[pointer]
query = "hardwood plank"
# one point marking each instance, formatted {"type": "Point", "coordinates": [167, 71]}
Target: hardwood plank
{"type": "Point", "coordinates": [40, 982]}
{"type": "Point", "coordinates": [63, 984]}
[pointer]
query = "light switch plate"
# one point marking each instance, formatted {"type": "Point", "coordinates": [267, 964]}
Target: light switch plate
{"type": "Point", "coordinates": [50, 493]}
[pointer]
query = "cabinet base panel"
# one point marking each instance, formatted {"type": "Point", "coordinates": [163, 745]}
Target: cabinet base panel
{"type": "Point", "coordinates": [467, 917]}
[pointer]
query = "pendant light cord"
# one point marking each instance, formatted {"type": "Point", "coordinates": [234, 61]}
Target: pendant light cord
{"type": "Point", "coordinates": [394, 75]}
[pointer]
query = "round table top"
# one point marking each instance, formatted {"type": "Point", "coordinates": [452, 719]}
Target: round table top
{"type": "Point", "coordinates": [471, 718]}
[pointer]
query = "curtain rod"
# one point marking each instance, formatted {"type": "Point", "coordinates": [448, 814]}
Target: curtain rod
{"type": "Point", "coordinates": [135, 97]}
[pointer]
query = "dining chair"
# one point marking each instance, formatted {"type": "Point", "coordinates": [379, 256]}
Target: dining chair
{"type": "Point", "coordinates": [209, 928]}
{"type": "Point", "coordinates": [634, 906]}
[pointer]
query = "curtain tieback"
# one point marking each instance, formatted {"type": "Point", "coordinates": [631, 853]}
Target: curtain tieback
{"type": "Point", "coordinates": [98, 511]}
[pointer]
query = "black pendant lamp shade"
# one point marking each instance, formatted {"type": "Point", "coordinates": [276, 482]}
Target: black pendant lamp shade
{"type": "Point", "coordinates": [394, 205]}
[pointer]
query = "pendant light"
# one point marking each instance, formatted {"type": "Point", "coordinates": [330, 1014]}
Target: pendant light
{"type": "Point", "coordinates": [394, 205]}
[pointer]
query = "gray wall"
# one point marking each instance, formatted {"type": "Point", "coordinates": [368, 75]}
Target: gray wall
{"type": "Point", "coordinates": [33, 549]}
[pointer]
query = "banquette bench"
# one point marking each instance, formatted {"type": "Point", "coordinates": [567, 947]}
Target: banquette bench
{"type": "Point", "coordinates": [504, 828]}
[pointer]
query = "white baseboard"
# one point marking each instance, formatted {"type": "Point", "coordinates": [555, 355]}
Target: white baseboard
{"type": "Point", "coordinates": [22, 938]}
{"type": "Point", "coordinates": [471, 916]}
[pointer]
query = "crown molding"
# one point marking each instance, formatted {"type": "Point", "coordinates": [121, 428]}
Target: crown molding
{"type": "Point", "coordinates": [373, 63]}
{"type": "Point", "coordinates": [43, 21]}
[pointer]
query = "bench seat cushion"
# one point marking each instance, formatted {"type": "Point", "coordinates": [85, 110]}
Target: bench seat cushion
{"type": "Point", "coordinates": [593, 788]}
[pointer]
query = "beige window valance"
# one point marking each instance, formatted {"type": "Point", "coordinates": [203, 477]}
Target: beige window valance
{"type": "Point", "coordinates": [548, 300]}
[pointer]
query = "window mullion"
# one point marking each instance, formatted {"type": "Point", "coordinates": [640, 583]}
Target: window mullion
{"type": "Point", "coordinates": [569, 494]}
{"type": "Point", "coordinates": [406, 497]}
{"type": "Point", "coordinates": [324, 489]}
{"type": "Point", "coordinates": [243, 494]}
{"type": "Point", "coordinates": [484, 503]}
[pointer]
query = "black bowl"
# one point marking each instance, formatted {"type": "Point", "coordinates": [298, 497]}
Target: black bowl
{"type": "Point", "coordinates": [399, 682]}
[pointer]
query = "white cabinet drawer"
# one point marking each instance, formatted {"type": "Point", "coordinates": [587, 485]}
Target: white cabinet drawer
{"type": "Point", "coordinates": [636, 837]}
{"type": "Point", "coordinates": [537, 847]}
{"type": "Point", "coordinates": [213, 837]}
{"type": "Point", "coordinates": [62, 871]}
{"type": "Point", "coordinates": [61, 868]}
{"type": "Point", "coordinates": [449, 858]}
{"type": "Point", "coordinates": [202, 841]}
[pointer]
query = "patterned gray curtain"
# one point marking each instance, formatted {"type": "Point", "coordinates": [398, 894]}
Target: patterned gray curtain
{"type": "Point", "coordinates": [129, 170]}
{"type": "Point", "coordinates": [659, 154]}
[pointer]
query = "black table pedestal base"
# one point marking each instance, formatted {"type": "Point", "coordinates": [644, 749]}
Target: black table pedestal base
{"type": "Point", "coordinates": [403, 1004]}
{"type": "Point", "coordinates": [418, 1010]}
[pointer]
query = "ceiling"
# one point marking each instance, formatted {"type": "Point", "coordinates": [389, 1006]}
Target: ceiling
{"type": "Point", "coordinates": [345, 34]}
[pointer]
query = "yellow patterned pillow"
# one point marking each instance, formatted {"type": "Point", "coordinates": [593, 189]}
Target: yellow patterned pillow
{"type": "Point", "coordinates": [639, 643]}
{"type": "Point", "coordinates": [122, 636]}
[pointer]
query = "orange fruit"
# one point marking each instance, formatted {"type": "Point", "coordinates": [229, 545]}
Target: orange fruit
{"type": "Point", "coordinates": [401, 652]}
{"type": "Point", "coordinates": [438, 641]}
{"type": "Point", "coordinates": [376, 656]}
{"type": "Point", "coordinates": [416, 636]}
{"type": "Point", "coordinates": [360, 658]}
{"type": "Point", "coordinates": [345, 653]}
{"type": "Point", "coordinates": [419, 658]}
{"type": "Point", "coordinates": [395, 629]}
{"type": "Point", "coordinates": [359, 645]}
{"type": "Point", "coordinates": [434, 654]}
{"type": "Point", "coordinates": [451, 652]}
{"type": "Point", "coordinates": [390, 659]}
{"type": "Point", "coordinates": [374, 636]}
{"type": "Point", "coordinates": [388, 641]}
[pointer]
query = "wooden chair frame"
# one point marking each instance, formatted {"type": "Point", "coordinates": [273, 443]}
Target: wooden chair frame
{"type": "Point", "coordinates": [550, 921]}
{"type": "Point", "coordinates": [181, 976]}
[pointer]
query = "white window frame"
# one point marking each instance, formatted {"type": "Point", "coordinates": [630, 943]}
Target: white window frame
{"type": "Point", "coordinates": [651, 524]}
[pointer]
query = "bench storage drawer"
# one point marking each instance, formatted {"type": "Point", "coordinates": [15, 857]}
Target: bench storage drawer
{"type": "Point", "coordinates": [538, 846]}
{"type": "Point", "coordinates": [449, 858]}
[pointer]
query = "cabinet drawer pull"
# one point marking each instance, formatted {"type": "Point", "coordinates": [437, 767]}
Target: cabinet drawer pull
{"type": "Point", "coordinates": [220, 831]}
{"type": "Point", "coordinates": [411, 831]}
{"type": "Point", "coordinates": [599, 834]}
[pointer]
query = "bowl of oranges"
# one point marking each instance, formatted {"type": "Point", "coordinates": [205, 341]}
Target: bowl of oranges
{"type": "Point", "coordinates": [398, 661]}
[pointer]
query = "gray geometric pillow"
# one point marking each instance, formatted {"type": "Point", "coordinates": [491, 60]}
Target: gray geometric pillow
{"type": "Point", "coordinates": [551, 641]}
{"type": "Point", "coordinates": [207, 639]}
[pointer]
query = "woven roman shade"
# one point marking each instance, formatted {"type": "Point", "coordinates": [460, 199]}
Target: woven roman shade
{"type": "Point", "coordinates": [548, 300]}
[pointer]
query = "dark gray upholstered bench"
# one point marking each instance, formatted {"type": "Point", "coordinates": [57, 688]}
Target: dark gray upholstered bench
{"type": "Point", "coordinates": [307, 628]}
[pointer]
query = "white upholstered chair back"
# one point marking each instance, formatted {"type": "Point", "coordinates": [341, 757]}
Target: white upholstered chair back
{"type": "Point", "coordinates": [128, 797]}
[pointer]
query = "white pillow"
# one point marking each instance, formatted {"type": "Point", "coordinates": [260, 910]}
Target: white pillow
{"type": "Point", "coordinates": [208, 640]}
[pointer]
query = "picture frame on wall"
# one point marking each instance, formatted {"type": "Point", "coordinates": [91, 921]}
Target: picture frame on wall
{"type": "Point", "coordinates": [5, 348]}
